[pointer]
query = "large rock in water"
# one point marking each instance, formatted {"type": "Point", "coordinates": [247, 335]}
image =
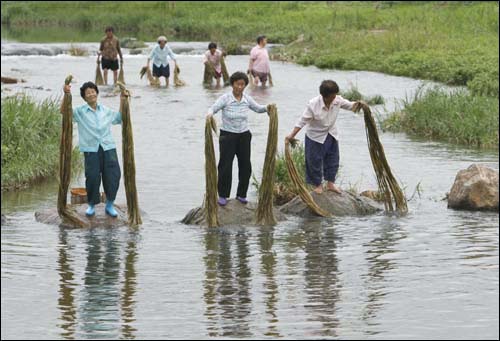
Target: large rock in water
{"type": "Point", "coordinates": [344, 204]}
{"type": "Point", "coordinates": [475, 188]}
{"type": "Point", "coordinates": [100, 219]}
{"type": "Point", "coordinates": [234, 213]}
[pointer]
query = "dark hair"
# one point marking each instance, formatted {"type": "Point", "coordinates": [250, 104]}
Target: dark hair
{"type": "Point", "coordinates": [86, 86]}
{"type": "Point", "coordinates": [109, 28]}
{"type": "Point", "coordinates": [260, 38]}
{"type": "Point", "coordinates": [237, 76]}
{"type": "Point", "coordinates": [328, 87]}
{"type": "Point", "coordinates": [212, 46]}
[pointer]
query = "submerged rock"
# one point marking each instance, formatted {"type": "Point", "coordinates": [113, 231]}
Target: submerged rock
{"type": "Point", "coordinates": [345, 204]}
{"type": "Point", "coordinates": [475, 188]}
{"type": "Point", "coordinates": [100, 219]}
{"type": "Point", "coordinates": [234, 213]}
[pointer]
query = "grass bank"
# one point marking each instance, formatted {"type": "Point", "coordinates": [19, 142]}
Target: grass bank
{"type": "Point", "coordinates": [30, 141]}
{"type": "Point", "coordinates": [457, 117]}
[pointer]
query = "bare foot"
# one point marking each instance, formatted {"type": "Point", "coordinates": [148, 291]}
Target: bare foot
{"type": "Point", "coordinates": [319, 189]}
{"type": "Point", "coordinates": [331, 187]}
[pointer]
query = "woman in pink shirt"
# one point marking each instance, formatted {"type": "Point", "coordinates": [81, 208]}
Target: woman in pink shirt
{"type": "Point", "coordinates": [259, 61]}
{"type": "Point", "coordinates": [213, 56]}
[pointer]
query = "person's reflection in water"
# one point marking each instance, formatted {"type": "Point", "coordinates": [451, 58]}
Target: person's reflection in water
{"type": "Point", "coordinates": [66, 289]}
{"type": "Point", "coordinates": [129, 286]}
{"type": "Point", "coordinates": [227, 298]}
{"type": "Point", "coordinates": [102, 313]}
{"type": "Point", "coordinates": [268, 263]}
{"type": "Point", "coordinates": [387, 237]}
{"type": "Point", "coordinates": [321, 272]}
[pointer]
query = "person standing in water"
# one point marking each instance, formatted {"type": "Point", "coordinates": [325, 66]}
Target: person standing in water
{"type": "Point", "coordinates": [109, 50]}
{"type": "Point", "coordinates": [321, 142]}
{"type": "Point", "coordinates": [94, 122]}
{"type": "Point", "coordinates": [259, 62]}
{"type": "Point", "coordinates": [160, 56]}
{"type": "Point", "coordinates": [213, 57]}
{"type": "Point", "coordinates": [235, 137]}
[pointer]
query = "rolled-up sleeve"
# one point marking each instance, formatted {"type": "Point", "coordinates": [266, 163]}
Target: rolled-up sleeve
{"type": "Point", "coordinates": [171, 53]}
{"type": "Point", "coordinates": [76, 115]}
{"type": "Point", "coordinates": [152, 53]}
{"type": "Point", "coordinates": [256, 106]}
{"type": "Point", "coordinates": [345, 104]}
{"type": "Point", "coordinates": [306, 117]}
{"type": "Point", "coordinates": [218, 105]}
{"type": "Point", "coordinates": [117, 117]}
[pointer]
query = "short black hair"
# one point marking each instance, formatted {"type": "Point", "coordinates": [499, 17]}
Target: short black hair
{"type": "Point", "coordinates": [328, 87]}
{"type": "Point", "coordinates": [260, 38]}
{"type": "Point", "coordinates": [237, 76]}
{"type": "Point", "coordinates": [212, 46]}
{"type": "Point", "coordinates": [109, 28]}
{"type": "Point", "coordinates": [86, 86]}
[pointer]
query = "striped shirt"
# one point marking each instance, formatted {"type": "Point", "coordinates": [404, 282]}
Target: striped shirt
{"type": "Point", "coordinates": [234, 112]}
{"type": "Point", "coordinates": [160, 56]}
{"type": "Point", "coordinates": [321, 119]}
{"type": "Point", "coordinates": [94, 127]}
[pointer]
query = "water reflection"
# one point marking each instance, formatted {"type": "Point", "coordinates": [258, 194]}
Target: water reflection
{"type": "Point", "coordinates": [268, 268]}
{"type": "Point", "coordinates": [321, 276]}
{"type": "Point", "coordinates": [102, 309]}
{"type": "Point", "coordinates": [227, 284]}
{"type": "Point", "coordinates": [384, 243]}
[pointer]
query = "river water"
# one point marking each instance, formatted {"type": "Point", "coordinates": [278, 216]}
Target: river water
{"type": "Point", "coordinates": [431, 274]}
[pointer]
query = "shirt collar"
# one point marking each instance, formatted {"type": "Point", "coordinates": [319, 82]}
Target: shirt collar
{"type": "Point", "coordinates": [323, 106]}
{"type": "Point", "coordinates": [243, 98]}
{"type": "Point", "coordinates": [88, 108]}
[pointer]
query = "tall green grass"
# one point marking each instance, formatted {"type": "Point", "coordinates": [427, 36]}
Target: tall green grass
{"type": "Point", "coordinates": [30, 141]}
{"type": "Point", "coordinates": [458, 117]}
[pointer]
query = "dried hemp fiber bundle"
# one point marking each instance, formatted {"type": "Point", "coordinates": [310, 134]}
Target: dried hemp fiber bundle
{"type": "Point", "coordinates": [210, 201]}
{"type": "Point", "coordinates": [67, 214]}
{"type": "Point", "coordinates": [134, 215]}
{"type": "Point", "coordinates": [265, 214]}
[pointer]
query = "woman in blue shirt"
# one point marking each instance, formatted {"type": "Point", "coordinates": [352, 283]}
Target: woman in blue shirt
{"type": "Point", "coordinates": [160, 55]}
{"type": "Point", "coordinates": [96, 142]}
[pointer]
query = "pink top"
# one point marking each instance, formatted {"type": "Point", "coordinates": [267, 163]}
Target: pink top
{"type": "Point", "coordinates": [260, 59]}
{"type": "Point", "coordinates": [213, 59]}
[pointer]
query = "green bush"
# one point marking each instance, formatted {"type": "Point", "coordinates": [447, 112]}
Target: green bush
{"type": "Point", "coordinates": [30, 140]}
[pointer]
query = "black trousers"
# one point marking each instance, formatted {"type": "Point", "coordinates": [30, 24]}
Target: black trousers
{"type": "Point", "coordinates": [105, 163]}
{"type": "Point", "coordinates": [231, 144]}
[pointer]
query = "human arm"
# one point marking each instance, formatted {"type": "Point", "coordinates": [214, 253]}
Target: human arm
{"type": "Point", "coordinates": [254, 106]}
{"type": "Point", "coordinates": [217, 106]}
{"type": "Point", "coordinates": [306, 117]}
{"type": "Point", "coordinates": [119, 51]}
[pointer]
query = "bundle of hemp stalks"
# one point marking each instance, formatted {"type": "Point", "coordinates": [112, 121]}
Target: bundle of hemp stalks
{"type": "Point", "coordinates": [225, 73]}
{"type": "Point", "coordinates": [134, 215]}
{"type": "Point", "coordinates": [177, 80]}
{"type": "Point", "coordinates": [121, 77]}
{"type": "Point", "coordinates": [67, 214]}
{"type": "Point", "coordinates": [265, 214]}
{"type": "Point", "coordinates": [388, 186]}
{"type": "Point", "coordinates": [208, 74]}
{"type": "Point", "coordinates": [299, 183]}
{"type": "Point", "coordinates": [210, 200]}
{"type": "Point", "coordinates": [147, 71]}
{"type": "Point", "coordinates": [98, 75]}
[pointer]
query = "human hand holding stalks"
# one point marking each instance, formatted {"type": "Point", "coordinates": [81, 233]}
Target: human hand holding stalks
{"type": "Point", "coordinates": [358, 105]}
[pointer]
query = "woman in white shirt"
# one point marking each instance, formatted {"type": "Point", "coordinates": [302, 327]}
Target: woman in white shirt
{"type": "Point", "coordinates": [160, 55]}
{"type": "Point", "coordinates": [321, 142]}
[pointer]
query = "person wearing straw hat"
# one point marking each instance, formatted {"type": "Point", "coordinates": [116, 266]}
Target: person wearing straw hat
{"type": "Point", "coordinates": [109, 50]}
{"type": "Point", "coordinates": [321, 141]}
{"type": "Point", "coordinates": [259, 61]}
{"type": "Point", "coordinates": [160, 56]}
{"type": "Point", "coordinates": [98, 146]}
{"type": "Point", "coordinates": [235, 138]}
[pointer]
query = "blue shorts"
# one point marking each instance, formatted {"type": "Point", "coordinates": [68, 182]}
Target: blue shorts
{"type": "Point", "coordinates": [161, 71]}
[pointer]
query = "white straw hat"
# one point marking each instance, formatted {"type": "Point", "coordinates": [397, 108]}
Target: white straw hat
{"type": "Point", "coordinates": [160, 38]}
